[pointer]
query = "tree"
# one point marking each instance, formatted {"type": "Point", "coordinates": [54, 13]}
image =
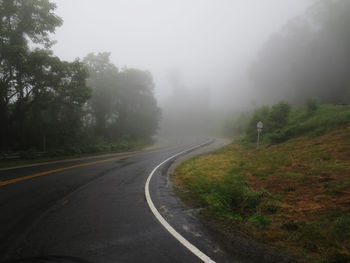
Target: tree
{"type": "Point", "coordinates": [139, 114]}
{"type": "Point", "coordinates": [122, 103]}
{"type": "Point", "coordinates": [308, 59]}
{"type": "Point", "coordinates": [40, 95]}
{"type": "Point", "coordinates": [103, 105]}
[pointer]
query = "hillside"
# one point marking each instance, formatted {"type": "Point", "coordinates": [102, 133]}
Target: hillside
{"type": "Point", "coordinates": [293, 196]}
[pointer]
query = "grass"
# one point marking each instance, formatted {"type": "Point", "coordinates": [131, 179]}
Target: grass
{"type": "Point", "coordinates": [325, 119]}
{"type": "Point", "coordinates": [27, 159]}
{"type": "Point", "coordinates": [293, 196]}
{"type": "Point", "coordinates": [283, 123]}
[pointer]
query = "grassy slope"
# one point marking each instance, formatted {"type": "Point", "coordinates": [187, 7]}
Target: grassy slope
{"type": "Point", "coordinates": [294, 196]}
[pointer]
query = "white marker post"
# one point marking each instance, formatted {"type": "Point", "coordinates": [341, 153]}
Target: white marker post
{"type": "Point", "coordinates": [260, 126]}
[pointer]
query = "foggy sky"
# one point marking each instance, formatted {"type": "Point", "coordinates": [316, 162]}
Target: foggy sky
{"type": "Point", "coordinates": [210, 42]}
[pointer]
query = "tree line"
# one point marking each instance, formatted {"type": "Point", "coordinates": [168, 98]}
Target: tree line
{"type": "Point", "coordinates": [308, 59]}
{"type": "Point", "coordinates": [48, 104]}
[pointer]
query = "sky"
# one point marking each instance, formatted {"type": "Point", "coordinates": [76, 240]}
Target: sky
{"type": "Point", "coordinates": [210, 43]}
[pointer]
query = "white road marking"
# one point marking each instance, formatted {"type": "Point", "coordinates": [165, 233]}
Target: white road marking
{"type": "Point", "coordinates": [168, 227]}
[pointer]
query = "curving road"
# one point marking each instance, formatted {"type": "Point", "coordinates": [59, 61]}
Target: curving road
{"type": "Point", "coordinates": [95, 209]}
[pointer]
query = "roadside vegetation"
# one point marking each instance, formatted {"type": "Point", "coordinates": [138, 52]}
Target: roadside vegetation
{"type": "Point", "coordinates": [282, 122]}
{"type": "Point", "coordinates": [293, 193]}
{"type": "Point", "coordinates": [50, 107]}
{"type": "Point", "coordinates": [13, 159]}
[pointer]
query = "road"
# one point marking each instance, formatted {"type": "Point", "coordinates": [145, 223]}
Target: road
{"type": "Point", "coordinates": [95, 209]}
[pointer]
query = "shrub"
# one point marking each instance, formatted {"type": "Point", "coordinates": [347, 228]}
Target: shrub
{"type": "Point", "coordinates": [279, 115]}
{"type": "Point", "coordinates": [275, 118]}
{"type": "Point", "coordinates": [311, 105]}
{"type": "Point", "coordinates": [281, 123]}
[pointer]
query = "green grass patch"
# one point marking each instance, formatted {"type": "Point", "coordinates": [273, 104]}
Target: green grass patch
{"type": "Point", "coordinates": [293, 196]}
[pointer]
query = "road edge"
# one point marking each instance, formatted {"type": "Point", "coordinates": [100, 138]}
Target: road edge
{"type": "Point", "coordinates": [237, 245]}
{"type": "Point", "coordinates": [161, 219]}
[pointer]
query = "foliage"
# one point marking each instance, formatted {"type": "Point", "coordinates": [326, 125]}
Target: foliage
{"type": "Point", "coordinates": [298, 191]}
{"type": "Point", "coordinates": [228, 196]}
{"type": "Point", "coordinates": [274, 118]}
{"type": "Point", "coordinates": [342, 226]}
{"type": "Point", "coordinates": [138, 114]}
{"type": "Point", "coordinates": [282, 123]}
{"type": "Point", "coordinates": [308, 59]}
{"type": "Point", "coordinates": [259, 220]}
{"type": "Point", "coordinates": [311, 105]}
{"type": "Point", "coordinates": [41, 97]}
{"type": "Point", "coordinates": [46, 104]}
{"type": "Point", "coordinates": [122, 103]}
{"type": "Point", "coordinates": [103, 78]}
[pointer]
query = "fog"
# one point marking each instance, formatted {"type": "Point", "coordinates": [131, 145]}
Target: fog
{"type": "Point", "coordinates": [199, 50]}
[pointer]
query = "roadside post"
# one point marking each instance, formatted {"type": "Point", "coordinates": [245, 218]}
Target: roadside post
{"type": "Point", "coordinates": [259, 126]}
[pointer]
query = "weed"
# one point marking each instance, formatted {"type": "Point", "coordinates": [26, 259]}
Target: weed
{"type": "Point", "coordinates": [291, 226]}
{"type": "Point", "coordinates": [293, 175]}
{"type": "Point", "coordinates": [263, 173]}
{"type": "Point", "coordinates": [290, 188]}
{"type": "Point", "coordinates": [342, 227]}
{"type": "Point", "coordinates": [272, 206]}
{"type": "Point", "coordinates": [337, 187]}
{"type": "Point", "coordinates": [259, 220]}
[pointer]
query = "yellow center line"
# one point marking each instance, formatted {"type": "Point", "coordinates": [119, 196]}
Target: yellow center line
{"type": "Point", "coordinates": [23, 178]}
{"type": "Point", "coordinates": [27, 177]}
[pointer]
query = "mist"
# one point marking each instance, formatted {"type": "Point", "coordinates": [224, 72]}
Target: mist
{"type": "Point", "coordinates": [208, 46]}
{"type": "Point", "coordinates": [238, 107]}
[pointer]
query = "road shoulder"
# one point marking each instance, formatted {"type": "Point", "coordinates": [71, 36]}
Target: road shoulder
{"type": "Point", "coordinates": [218, 244]}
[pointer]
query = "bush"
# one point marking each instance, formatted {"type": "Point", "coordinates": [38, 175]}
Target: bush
{"type": "Point", "coordinates": [278, 117]}
{"type": "Point", "coordinates": [311, 105]}
{"type": "Point", "coordinates": [275, 118]}
{"type": "Point", "coordinates": [281, 123]}
{"type": "Point", "coordinates": [261, 114]}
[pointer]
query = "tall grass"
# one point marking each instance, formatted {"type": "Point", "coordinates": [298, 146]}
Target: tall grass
{"type": "Point", "coordinates": [229, 196]}
{"type": "Point", "coordinates": [283, 123]}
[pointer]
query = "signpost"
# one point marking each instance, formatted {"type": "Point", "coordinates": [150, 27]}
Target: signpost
{"type": "Point", "coordinates": [259, 126]}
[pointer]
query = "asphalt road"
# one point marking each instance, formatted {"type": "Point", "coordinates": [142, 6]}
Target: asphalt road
{"type": "Point", "coordinates": [95, 209]}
